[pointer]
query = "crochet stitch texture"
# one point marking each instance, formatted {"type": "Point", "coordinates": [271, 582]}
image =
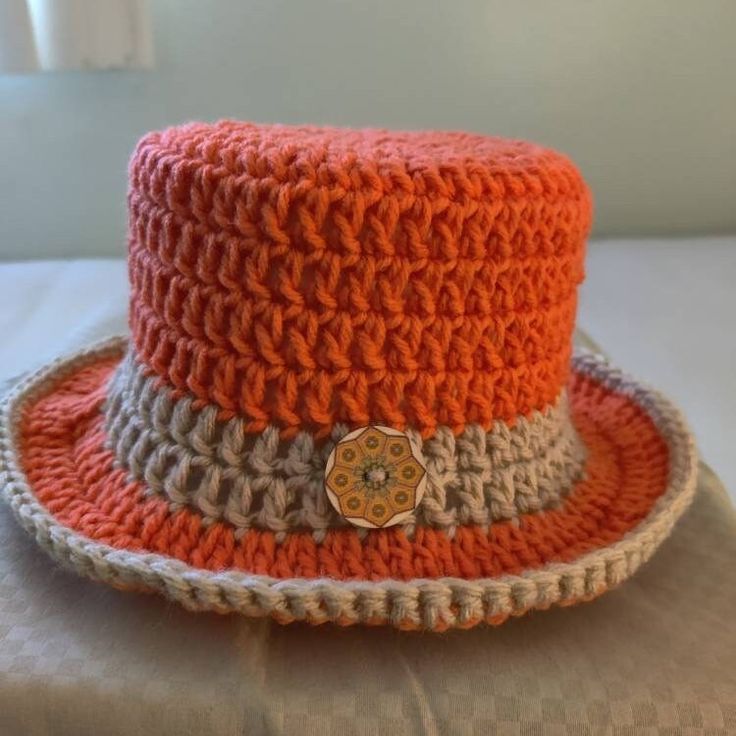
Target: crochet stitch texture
{"type": "Point", "coordinates": [248, 480]}
{"type": "Point", "coordinates": [642, 470]}
{"type": "Point", "coordinates": [292, 284]}
{"type": "Point", "coordinates": [301, 277]}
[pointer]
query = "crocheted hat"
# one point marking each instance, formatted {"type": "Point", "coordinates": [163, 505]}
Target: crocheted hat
{"type": "Point", "coordinates": [349, 393]}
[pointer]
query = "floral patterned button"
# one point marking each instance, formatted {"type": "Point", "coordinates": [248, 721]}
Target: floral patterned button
{"type": "Point", "coordinates": [375, 477]}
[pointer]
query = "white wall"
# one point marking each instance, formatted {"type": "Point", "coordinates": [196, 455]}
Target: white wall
{"type": "Point", "coordinates": [641, 93]}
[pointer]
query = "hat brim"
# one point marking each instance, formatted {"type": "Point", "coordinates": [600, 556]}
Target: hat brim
{"type": "Point", "coordinates": [65, 489]}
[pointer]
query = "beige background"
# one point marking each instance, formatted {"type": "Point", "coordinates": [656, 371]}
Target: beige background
{"type": "Point", "coordinates": [640, 94]}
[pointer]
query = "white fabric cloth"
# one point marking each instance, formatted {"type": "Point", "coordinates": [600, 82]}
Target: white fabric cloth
{"type": "Point", "coordinates": [53, 307]}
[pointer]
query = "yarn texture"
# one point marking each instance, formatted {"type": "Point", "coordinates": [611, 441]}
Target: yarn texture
{"type": "Point", "coordinates": [301, 277]}
{"type": "Point", "coordinates": [86, 515]}
{"type": "Point", "coordinates": [187, 455]}
{"type": "Point", "coordinates": [291, 286]}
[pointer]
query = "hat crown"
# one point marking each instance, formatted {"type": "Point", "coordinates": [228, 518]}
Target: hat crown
{"type": "Point", "coordinates": [304, 277]}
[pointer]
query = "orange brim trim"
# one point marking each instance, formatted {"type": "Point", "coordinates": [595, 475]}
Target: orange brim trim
{"type": "Point", "coordinates": [66, 462]}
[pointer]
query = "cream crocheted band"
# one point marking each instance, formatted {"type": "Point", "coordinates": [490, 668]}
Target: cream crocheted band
{"type": "Point", "coordinates": [419, 603]}
{"type": "Point", "coordinates": [194, 459]}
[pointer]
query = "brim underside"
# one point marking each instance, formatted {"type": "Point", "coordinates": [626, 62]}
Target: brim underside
{"type": "Point", "coordinates": [65, 489]}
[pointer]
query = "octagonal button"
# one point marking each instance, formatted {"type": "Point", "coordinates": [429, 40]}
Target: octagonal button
{"type": "Point", "coordinates": [375, 477]}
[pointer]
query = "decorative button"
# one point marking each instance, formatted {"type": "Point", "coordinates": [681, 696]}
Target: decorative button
{"type": "Point", "coordinates": [375, 477]}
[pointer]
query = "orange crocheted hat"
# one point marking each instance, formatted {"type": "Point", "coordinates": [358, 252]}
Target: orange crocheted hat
{"type": "Point", "coordinates": [349, 393]}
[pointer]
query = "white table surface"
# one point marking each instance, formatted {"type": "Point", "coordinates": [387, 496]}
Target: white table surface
{"type": "Point", "coordinates": [662, 309]}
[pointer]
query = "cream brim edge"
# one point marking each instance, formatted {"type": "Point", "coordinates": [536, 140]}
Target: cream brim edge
{"type": "Point", "coordinates": [420, 603]}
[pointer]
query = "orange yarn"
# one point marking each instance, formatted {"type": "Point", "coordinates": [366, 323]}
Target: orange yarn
{"type": "Point", "coordinates": [307, 276]}
{"type": "Point", "coordinates": [296, 278]}
{"type": "Point", "coordinates": [626, 471]}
